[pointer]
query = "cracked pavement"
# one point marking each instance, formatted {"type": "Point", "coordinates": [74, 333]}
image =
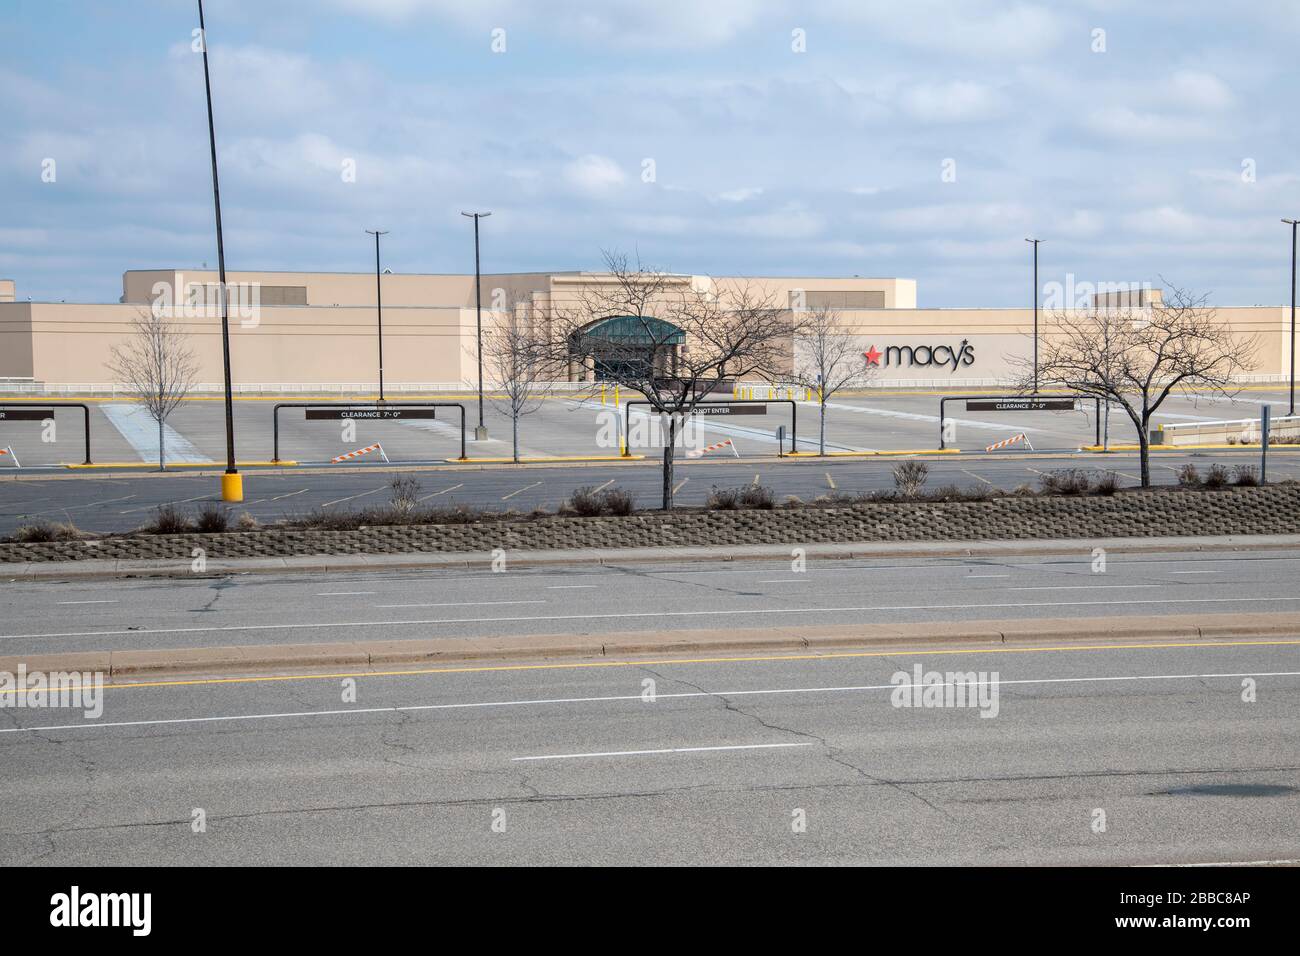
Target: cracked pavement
{"type": "Point", "coordinates": [1186, 770]}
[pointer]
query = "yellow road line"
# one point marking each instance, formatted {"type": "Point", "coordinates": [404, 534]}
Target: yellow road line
{"type": "Point", "coordinates": [751, 659]}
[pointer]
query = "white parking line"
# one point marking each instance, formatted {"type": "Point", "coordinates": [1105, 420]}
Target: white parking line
{"type": "Point", "coordinates": [339, 501]}
{"type": "Point", "coordinates": [86, 602]}
{"type": "Point", "coordinates": [520, 491]}
{"type": "Point", "coordinates": [443, 492]}
{"type": "Point", "coordinates": [289, 495]}
{"type": "Point", "coordinates": [92, 504]}
{"type": "Point", "coordinates": [680, 485]}
{"type": "Point", "coordinates": [665, 750]}
{"type": "Point", "coordinates": [182, 501]}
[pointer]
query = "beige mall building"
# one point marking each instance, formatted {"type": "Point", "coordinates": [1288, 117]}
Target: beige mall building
{"type": "Point", "coordinates": [295, 330]}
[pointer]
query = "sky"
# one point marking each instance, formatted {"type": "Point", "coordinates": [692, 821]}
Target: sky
{"type": "Point", "coordinates": [1141, 141]}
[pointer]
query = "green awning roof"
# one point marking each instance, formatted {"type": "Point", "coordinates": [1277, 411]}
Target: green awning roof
{"type": "Point", "coordinates": [635, 330]}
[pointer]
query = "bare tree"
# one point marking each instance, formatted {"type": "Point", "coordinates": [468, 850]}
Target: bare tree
{"type": "Point", "coordinates": [668, 338]}
{"type": "Point", "coordinates": [1137, 357]}
{"type": "Point", "coordinates": [517, 367]}
{"type": "Point", "coordinates": [157, 366]}
{"type": "Point", "coordinates": [826, 359]}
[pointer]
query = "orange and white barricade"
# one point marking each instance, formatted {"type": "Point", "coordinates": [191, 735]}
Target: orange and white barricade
{"type": "Point", "coordinates": [1022, 437]}
{"type": "Point", "coordinates": [359, 452]}
{"type": "Point", "coordinates": [699, 452]}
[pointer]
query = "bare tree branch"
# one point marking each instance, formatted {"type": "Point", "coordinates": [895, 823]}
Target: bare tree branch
{"type": "Point", "coordinates": [672, 341]}
{"type": "Point", "coordinates": [158, 367]}
{"type": "Point", "coordinates": [1138, 357]}
{"type": "Point", "coordinates": [826, 359]}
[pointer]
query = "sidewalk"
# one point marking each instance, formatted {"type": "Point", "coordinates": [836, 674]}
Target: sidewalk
{"type": "Point", "coordinates": [180, 568]}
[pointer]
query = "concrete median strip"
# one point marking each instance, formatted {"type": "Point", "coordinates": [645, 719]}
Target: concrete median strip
{"type": "Point", "coordinates": [1172, 628]}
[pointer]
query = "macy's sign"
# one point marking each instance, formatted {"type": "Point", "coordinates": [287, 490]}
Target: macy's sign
{"type": "Point", "coordinates": [951, 357]}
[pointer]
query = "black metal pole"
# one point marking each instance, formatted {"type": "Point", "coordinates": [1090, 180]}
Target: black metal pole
{"type": "Point", "coordinates": [379, 308]}
{"type": "Point", "coordinates": [478, 311]}
{"type": "Point", "coordinates": [221, 258]}
{"type": "Point", "coordinates": [85, 413]}
{"type": "Point", "coordinates": [481, 432]}
{"type": "Point", "coordinates": [1291, 405]}
{"type": "Point", "coordinates": [1035, 243]}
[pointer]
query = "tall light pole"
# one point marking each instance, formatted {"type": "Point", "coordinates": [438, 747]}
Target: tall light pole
{"type": "Point", "coordinates": [1292, 224]}
{"type": "Point", "coordinates": [1035, 242]}
{"type": "Point", "coordinates": [379, 308]}
{"type": "Point", "coordinates": [232, 483]}
{"type": "Point", "coordinates": [480, 433]}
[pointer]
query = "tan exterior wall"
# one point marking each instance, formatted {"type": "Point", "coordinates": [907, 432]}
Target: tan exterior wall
{"type": "Point", "coordinates": [429, 327]}
{"type": "Point", "coordinates": [15, 340]}
{"type": "Point", "coordinates": [70, 343]}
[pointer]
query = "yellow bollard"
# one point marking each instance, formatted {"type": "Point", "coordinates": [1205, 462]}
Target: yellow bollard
{"type": "Point", "coordinates": [602, 393]}
{"type": "Point", "coordinates": [616, 399]}
{"type": "Point", "coordinates": [232, 487]}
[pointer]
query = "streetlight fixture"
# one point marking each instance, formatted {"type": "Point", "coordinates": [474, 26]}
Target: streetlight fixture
{"type": "Point", "coordinates": [480, 433]}
{"type": "Point", "coordinates": [1292, 224]}
{"type": "Point", "coordinates": [232, 482]}
{"type": "Point", "coordinates": [379, 308]}
{"type": "Point", "coordinates": [1035, 242]}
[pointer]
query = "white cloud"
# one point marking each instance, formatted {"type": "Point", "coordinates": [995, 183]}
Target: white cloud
{"type": "Point", "coordinates": [960, 101]}
{"type": "Point", "coordinates": [1194, 90]}
{"type": "Point", "coordinates": [1123, 123]}
{"type": "Point", "coordinates": [593, 174]}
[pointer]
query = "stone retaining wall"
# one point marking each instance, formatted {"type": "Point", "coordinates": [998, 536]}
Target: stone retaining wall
{"type": "Point", "coordinates": [1235, 511]}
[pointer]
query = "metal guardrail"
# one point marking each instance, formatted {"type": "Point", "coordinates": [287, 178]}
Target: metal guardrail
{"type": "Point", "coordinates": [1019, 398]}
{"type": "Point", "coordinates": [794, 418]}
{"type": "Point", "coordinates": [378, 406]}
{"type": "Point", "coordinates": [85, 412]}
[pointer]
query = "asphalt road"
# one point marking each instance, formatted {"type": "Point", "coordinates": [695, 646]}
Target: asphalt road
{"type": "Point", "coordinates": [51, 616]}
{"type": "Point", "coordinates": [122, 501]}
{"type": "Point", "coordinates": [1094, 756]}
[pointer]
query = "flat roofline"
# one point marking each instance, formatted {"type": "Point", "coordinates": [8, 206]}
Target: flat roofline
{"type": "Point", "coordinates": [309, 272]}
{"type": "Point", "coordinates": [550, 272]}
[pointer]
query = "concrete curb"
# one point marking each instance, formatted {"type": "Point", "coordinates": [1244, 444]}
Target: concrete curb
{"type": "Point", "coordinates": [779, 640]}
{"type": "Point", "coordinates": [422, 561]}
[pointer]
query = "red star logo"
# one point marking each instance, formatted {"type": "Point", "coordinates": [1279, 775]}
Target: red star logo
{"type": "Point", "coordinates": [872, 356]}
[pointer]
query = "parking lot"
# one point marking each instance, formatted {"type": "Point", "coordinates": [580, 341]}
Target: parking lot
{"type": "Point", "coordinates": [577, 426]}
